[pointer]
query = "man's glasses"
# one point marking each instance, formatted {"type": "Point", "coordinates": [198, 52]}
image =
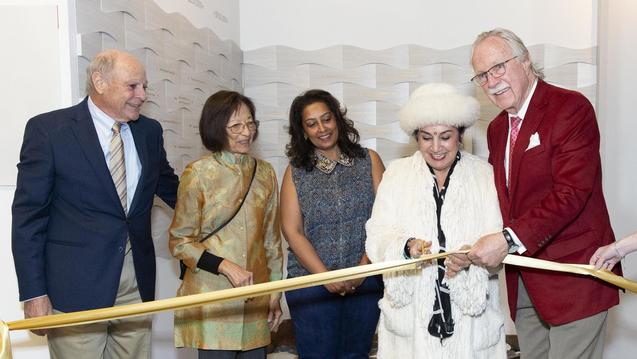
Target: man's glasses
{"type": "Point", "coordinates": [238, 127]}
{"type": "Point", "coordinates": [496, 71]}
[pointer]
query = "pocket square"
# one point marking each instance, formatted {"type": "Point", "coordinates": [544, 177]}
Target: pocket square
{"type": "Point", "coordinates": [534, 141]}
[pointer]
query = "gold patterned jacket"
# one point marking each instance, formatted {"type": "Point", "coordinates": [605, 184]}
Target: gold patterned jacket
{"type": "Point", "coordinates": [210, 190]}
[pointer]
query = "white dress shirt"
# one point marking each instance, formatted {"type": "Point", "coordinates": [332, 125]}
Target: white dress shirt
{"type": "Point", "coordinates": [103, 126]}
{"type": "Point", "coordinates": [520, 114]}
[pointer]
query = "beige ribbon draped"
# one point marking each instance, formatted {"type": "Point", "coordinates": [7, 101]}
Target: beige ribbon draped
{"type": "Point", "coordinates": [131, 310]}
{"type": "Point", "coordinates": [5, 343]}
{"type": "Point", "coordinates": [583, 269]}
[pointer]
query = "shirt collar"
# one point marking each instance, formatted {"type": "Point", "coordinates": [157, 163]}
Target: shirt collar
{"type": "Point", "coordinates": [525, 105]}
{"type": "Point", "coordinates": [232, 158]}
{"type": "Point", "coordinates": [100, 118]}
{"type": "Point", "coordinates": [327, 165]}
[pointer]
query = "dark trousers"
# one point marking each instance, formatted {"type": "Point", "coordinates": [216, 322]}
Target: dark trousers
{"type": "Point", "coordinates": [328, 325]}
{"type": "Point", "coordinates": [258, 353]}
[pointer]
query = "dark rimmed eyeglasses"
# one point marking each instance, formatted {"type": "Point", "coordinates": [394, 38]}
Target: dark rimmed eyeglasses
{"type": "Point", "coordinates": [496, 71]}
{"type": "Point", "coordinates": [238, 127]}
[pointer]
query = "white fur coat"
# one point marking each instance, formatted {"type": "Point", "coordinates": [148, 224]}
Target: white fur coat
{"type": "Point", "coordinates": [405, 208]}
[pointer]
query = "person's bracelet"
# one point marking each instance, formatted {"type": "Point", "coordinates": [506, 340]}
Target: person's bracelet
{"type": "Point", "coordinates": [617, 251]}
{"type": "Point", "coordinates": [406, 249]}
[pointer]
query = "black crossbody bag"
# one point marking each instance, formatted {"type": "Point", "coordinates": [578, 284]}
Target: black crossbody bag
{"type": "Point", "coordinates": [182, 266]}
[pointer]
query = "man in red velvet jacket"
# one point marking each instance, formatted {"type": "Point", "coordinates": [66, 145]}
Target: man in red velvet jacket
{"type": "Point", "coordinates": [544, 148]}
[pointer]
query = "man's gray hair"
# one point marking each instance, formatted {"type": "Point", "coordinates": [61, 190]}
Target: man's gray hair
{"type": "Point", "coordinates": [103, 63]}
{"type": "Point", "coordinates": [515, 43]}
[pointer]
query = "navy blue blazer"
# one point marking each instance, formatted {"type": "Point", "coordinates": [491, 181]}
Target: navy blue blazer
{"type": "Point", "coordinates": [69, 228]}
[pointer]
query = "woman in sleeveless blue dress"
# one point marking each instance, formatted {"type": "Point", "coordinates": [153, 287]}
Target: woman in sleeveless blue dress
{"type": "Point", "coordinates": [327, 196]}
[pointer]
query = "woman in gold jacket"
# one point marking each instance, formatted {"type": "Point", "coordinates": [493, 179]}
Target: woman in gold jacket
{"type": "Point", "coordinates": [245, 251]}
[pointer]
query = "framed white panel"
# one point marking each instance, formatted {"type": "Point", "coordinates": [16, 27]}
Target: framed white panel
{"type": "Point", "coordinates": [35, 87]}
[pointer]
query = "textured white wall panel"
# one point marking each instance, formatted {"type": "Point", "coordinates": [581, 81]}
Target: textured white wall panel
{"type": "Point", "coordinates": [184, 64]}
{"type": "Point", "coordinates": [374, 84]}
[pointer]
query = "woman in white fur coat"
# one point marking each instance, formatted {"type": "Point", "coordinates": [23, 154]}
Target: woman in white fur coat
{"type": "Point", "coordinates": [438, 199]}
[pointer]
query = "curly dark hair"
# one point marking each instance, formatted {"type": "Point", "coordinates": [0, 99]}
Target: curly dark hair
{"type": "Point", "coordinates": [300, 149]}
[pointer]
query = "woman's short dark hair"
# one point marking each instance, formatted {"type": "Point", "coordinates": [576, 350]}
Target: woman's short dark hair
{"type": "Point", "coordinates": [300, 149]}
{"type": "Point", "coordinates": [215, 115]}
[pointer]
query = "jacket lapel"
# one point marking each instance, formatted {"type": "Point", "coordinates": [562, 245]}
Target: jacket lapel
{"type": "Point", "coordinates": [501, 127]}
{"type": "Point", "coordinates": [142, 151]}
{"type": "Point", "coordinates": [84, 131]}
{"type": "Point", "coordinates": [498, 141]}
{"type": "Point", "coordinates": [532, 120]}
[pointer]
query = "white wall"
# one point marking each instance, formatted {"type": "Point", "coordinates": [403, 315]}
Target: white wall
{"type": "Point", "coordinates": [222, 16]}
{"type": "Point", "coordinates": [30, 31]}
{"type": "Point", "coordinates": [380, 24]}
{"type": "Point", "coordinates": [25, 78]}
{"type": "Point", "coordinates": [616, 114]}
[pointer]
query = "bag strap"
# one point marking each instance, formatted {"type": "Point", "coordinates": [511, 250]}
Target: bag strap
{"type": "Point", "coordinates": [254, 171]}
{"type": "Point", "coordinates": [182, 266]}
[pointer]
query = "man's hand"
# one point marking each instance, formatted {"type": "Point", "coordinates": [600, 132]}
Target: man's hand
{"type": "Point", "coordinates": [38, 307]}
{"type": "Point", "coordinates": [489, 251]}
{"type": "Point", "coordinates": [457, 262]}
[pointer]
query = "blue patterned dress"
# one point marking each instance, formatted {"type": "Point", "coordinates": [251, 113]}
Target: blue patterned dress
{"type": "Point", "coordinates": [336, 199]}
{"type": "Point", "coordinates": [335, 207]}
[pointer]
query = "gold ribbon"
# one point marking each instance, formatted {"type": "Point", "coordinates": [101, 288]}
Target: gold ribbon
{"type": "Point", "coordinates": [583, 269]}
{"type": "Point", "coordinates": [131, 310]}
{"type": "Point", "coordinates": [5, 341]}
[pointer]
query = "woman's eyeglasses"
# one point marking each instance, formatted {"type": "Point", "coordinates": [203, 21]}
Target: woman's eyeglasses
{"type": "Point", "coordinates": [238, 127]}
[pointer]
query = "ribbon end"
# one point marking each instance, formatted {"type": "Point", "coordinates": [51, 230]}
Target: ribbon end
{"type": "Point", "coordinates": [5, 341]}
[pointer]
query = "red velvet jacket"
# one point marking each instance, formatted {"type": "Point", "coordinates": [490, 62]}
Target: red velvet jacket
{"type": "Point", "coordinates": [555, 203]}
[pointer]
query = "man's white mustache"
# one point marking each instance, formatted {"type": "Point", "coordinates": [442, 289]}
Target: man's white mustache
{"type": "Point", "coordinates": [499, 88]}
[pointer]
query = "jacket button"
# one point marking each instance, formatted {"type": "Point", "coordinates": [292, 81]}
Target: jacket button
{"type": "Point", "coordinates": [120, 249]}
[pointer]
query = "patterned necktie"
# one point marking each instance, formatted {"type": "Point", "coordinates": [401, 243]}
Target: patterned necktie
{"type": "Point", "coordinates": [515, 128]}
{"type": "Point", "coordinates": [116, 164]}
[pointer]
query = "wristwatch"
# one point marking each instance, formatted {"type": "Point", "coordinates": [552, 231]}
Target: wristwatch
{"type": "Point", "coordinates": [513, 247]}
{"type": "Point", "coordinates": [406, 253]}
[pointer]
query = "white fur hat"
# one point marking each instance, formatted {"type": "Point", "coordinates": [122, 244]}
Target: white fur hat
{"type": "Point", "coordinates": [438, 104]}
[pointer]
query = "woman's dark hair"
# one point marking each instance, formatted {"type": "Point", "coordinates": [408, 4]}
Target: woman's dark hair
{"type": "Point", "coordinates": [300, 149]}
{"type": "Point", "coordinates": [215, 115]}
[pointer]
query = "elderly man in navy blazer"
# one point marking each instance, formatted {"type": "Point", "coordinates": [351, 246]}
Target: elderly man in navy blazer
{"type": "Point", "coordinates": [81, 214]}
